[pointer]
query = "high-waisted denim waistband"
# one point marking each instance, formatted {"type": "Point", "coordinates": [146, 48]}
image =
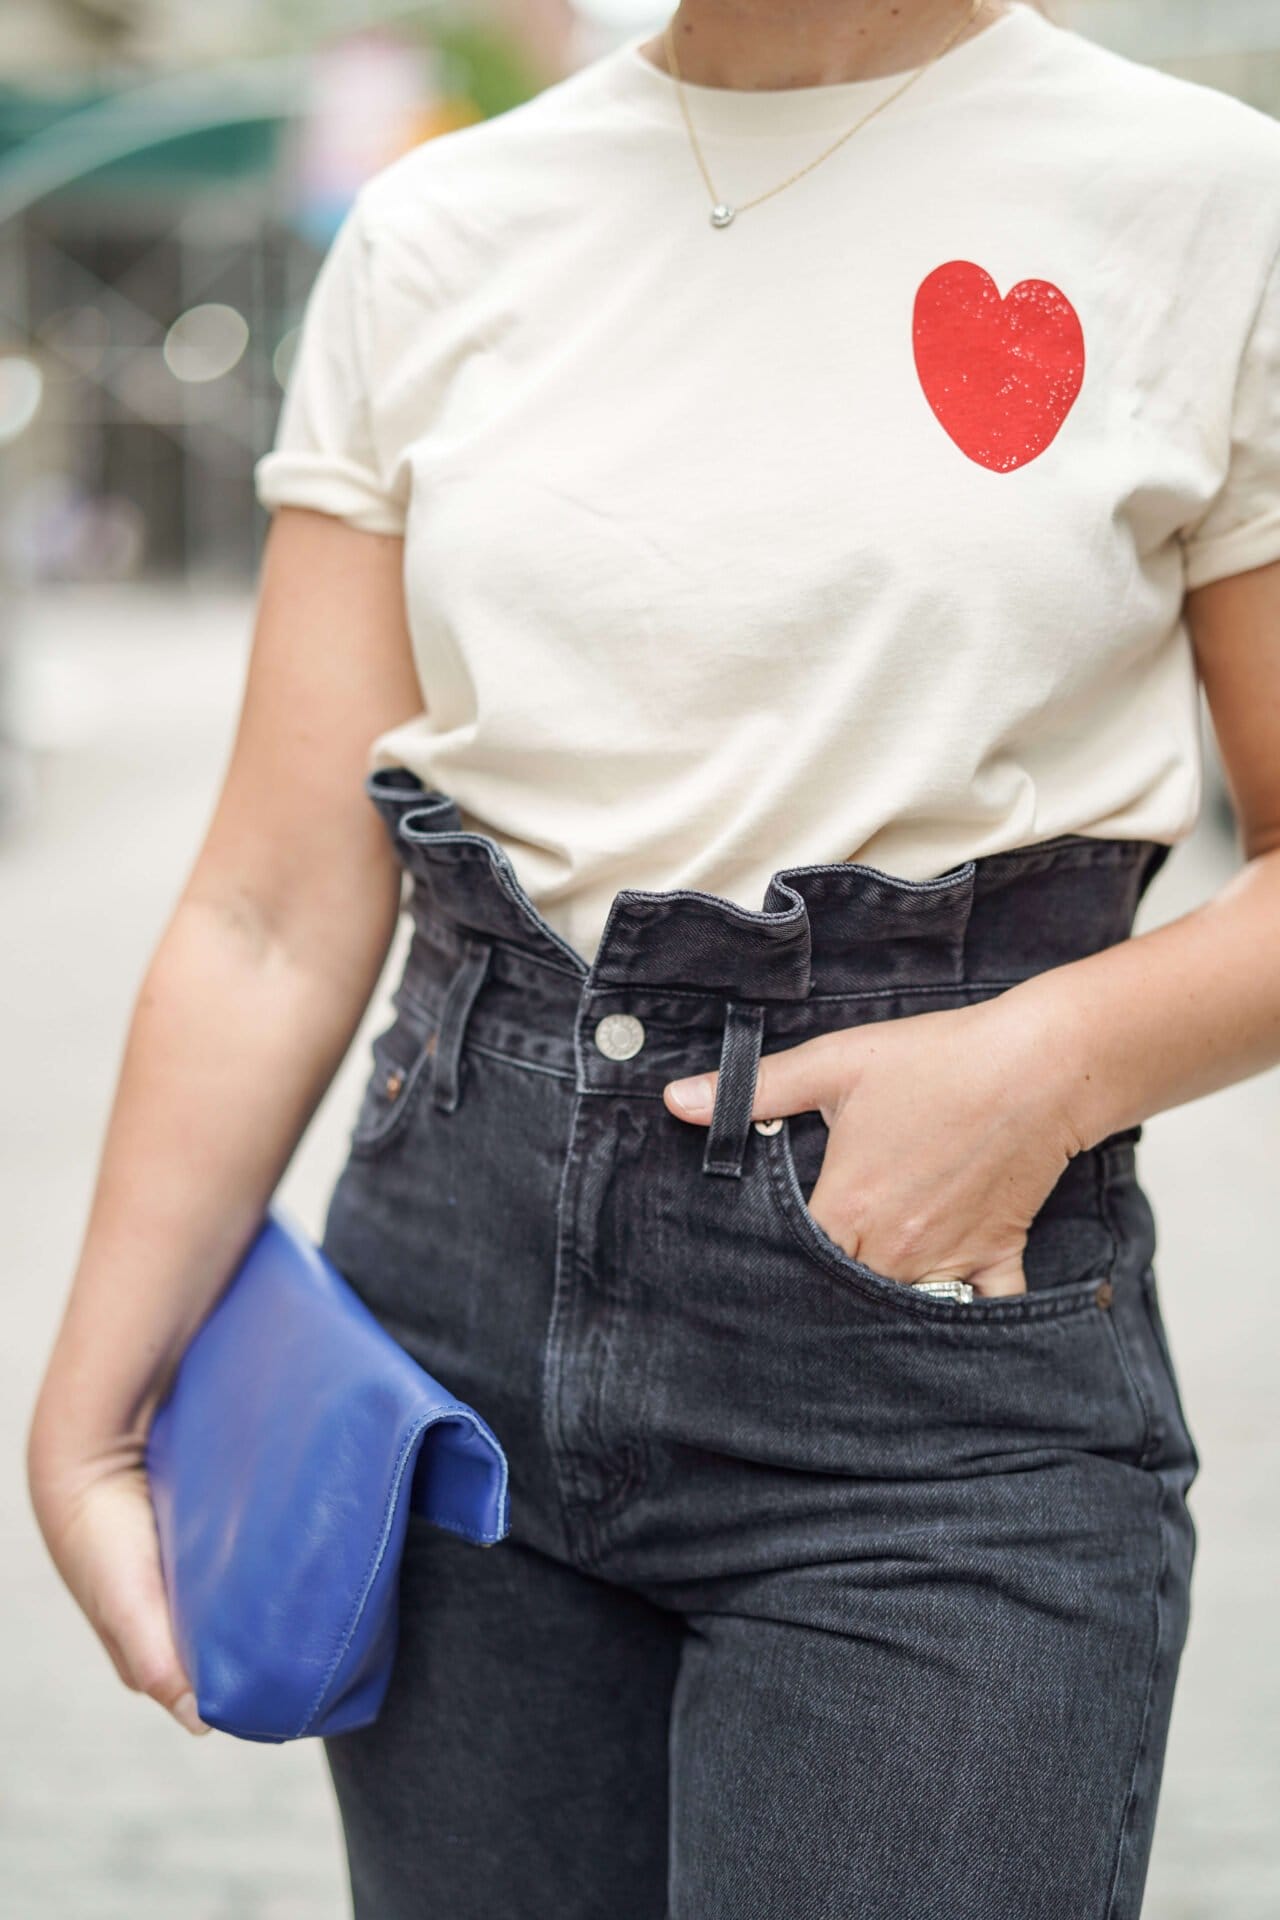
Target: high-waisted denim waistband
{"type": "Point", "coordinates": [707, 981]}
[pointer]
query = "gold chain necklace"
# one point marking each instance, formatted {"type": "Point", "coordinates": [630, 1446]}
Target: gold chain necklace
{"type": "Point", "coordinates": [721, 212]}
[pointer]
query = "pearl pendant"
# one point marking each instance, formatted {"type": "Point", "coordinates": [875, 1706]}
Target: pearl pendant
{"type": "Point", "coordinates": [722, 215]}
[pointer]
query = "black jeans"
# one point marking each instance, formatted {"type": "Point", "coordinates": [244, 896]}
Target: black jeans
{"type": "Point", "coordinates": [823, 1597]}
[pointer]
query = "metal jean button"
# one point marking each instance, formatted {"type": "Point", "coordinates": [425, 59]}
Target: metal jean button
{"type": "Point", "coordinates": [619, 1035]}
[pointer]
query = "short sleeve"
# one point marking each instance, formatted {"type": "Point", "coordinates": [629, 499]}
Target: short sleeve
{"type": "Point", "coordinates": [325, 453]}
{"type": "Point", "coordinates": [1240, 528]}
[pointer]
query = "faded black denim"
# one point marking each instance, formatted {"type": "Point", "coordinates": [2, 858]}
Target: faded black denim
{"type": "Point", "coordinates": [823, 1597]}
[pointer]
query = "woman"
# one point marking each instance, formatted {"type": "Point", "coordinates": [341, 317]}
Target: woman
{"type": "Point", "coordinates": [750, 521]}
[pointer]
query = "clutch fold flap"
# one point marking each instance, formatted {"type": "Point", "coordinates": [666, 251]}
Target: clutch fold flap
{"type": "Point", "coordinates": [295, 1440]}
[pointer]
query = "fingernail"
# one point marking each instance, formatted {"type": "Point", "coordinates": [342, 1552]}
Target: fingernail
{"type": "Point", "coordinates": [184, 1709]}
{"type": "Point", "coordinates": [693, 1095]}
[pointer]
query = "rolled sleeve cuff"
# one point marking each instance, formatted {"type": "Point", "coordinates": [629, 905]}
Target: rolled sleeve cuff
{"type": "Point", "coordinates": [1252, 545]}
{"type": "Point", "coordinates": [326, 484]}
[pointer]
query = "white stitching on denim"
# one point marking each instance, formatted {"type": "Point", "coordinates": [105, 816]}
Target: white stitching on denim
{"type": "Point", "coordinates": [1073, 1299]}
{"type": "Point", "coordinates": [1140, 1746]}
{"type": "Point", "coordinates": [367, 1141]}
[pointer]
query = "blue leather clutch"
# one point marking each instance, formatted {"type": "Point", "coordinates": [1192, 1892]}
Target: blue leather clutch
{"type": "Point", "coordinates": [295, 1438]}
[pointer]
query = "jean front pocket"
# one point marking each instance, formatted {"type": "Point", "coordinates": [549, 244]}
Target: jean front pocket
{"type": "Point", "coordinates": [401, 1056]}
{"type": "Point", "coordinates": [1070, 1254]}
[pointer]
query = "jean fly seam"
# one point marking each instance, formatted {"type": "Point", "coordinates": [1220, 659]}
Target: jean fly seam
{"type": "Point", "coordinates": [572, 1495]}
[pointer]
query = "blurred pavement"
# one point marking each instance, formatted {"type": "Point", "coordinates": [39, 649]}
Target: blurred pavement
{"type": "Point", "coordinates": [109, 1811]}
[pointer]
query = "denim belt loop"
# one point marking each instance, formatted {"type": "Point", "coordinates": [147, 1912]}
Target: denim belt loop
{"type": "Point", "coordinates": [458, 1001]}
{"type": "Point", "coordinates": [735, 1088]}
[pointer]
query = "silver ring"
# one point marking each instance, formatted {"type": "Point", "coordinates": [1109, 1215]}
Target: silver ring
{"type": "Point", "coordinates": [959, 1292]}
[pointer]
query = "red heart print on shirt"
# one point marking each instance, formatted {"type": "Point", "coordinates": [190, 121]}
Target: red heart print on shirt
{"type": "Point", "coordinates": [1001, 375]}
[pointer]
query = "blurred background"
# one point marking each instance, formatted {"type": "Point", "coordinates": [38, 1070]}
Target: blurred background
{"type": "Point", "coordinates": [170, 175]}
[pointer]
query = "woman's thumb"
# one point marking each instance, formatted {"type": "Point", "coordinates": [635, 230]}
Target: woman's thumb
{"type": "Point", "coordinates": [185, 1711]}
{"type": "Point", "coordinates": [142, 1632]}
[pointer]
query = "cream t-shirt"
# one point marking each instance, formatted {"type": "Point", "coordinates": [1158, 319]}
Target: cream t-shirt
{"type": "Point", "coordinates": [856, 529]}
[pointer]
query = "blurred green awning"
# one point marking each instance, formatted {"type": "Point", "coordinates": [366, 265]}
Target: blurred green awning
{"type": "Point", "coordinates": [161, 136]}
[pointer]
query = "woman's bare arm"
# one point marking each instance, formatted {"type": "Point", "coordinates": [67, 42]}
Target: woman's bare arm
{"type": "Point", "coordinates": [1194, 1006]}
{"type": "Point", "coordinates": [918, 1179]}
{"type": "Point", "coordinates": [246, 1010]}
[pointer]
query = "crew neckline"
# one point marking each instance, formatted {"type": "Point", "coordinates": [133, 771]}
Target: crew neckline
{"type": "Point", "coordinates": [766, 110]}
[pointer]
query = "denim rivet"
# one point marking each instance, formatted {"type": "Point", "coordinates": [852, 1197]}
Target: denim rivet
{"type": "Point", "coordinates": [767, 1126]}
{"type": "Point", "coordinates": [619, 1035]}
{"type": "Point", "coordinates": [1105, 1294]}
{"type": "Point", "coordinates": [394, 1083]}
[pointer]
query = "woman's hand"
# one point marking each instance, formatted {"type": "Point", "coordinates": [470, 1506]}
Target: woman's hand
{"type": "Point", "coordinates": [99, 1526]}
{"type": "Point", "coordinates": [246, 1010]}
{"type": "Point", "coordinates": [947, 1132]}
